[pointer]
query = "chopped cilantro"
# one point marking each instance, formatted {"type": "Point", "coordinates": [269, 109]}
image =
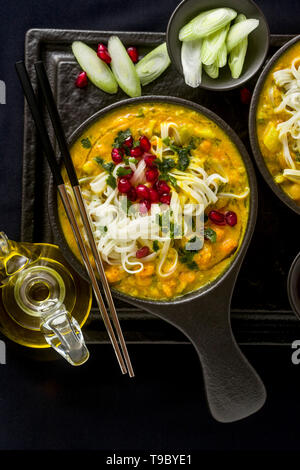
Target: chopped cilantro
{"type": "Point", "coordinates": [210, 234]}
{"type": "Point", "coordinates": [184, 154]}
{"type": "Point", "coordinates": [121, 171]}
{"type": "Point", "coordinates": [193, 265]}
{"type": "Point", "coordinates": [186, 254]}
{"type": "Point", "coordinates": [121, 137]}
{"type": "Point", "coordinates": [111, 181]}
{"type": "Point", "coordinates": [186, 257]}
{"type": "Point", "coordinates": [173, 182]}
{"type": "Point", "coordinates": [106, 166]}
{"type": "Point", "coordinates": [128, 160]}
{"type": "Point", "coordinates": [86, 143]}
{"type": "Point", "coordinates": [136, 143]}
{"type": "Point", "coordinates": [183, 158]}
{"type": "Point", "coordinates": [155, 245]}
{"type": "Point", "coordinates": [165, 165]}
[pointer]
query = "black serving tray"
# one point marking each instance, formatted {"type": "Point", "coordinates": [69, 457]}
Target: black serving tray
{"type": "Point", "coordinates": [261, 313]}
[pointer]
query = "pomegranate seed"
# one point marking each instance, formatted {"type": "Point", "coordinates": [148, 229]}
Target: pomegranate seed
{"type": "Point", "coordinates": [102, 47]}
{"type": "Point", "coordinates": [165, 198]}
{"type": "Point", "coordinates": [116, 155]}
{"type": "Point", "coordinates": [124, 185]}
{"type": "Point", "coordinates": [153, 194]}
{"type": "Point", "coordinates": [129, 141]}
{"type": "Point", "coordinates": [162, 187]}
{"type": "Point", "coordinates": [81, 80]}
{"type": "Point", "coordinates": [149, 159]}
{"type": "Point", "coordinates": [105, 57]}
{"type": "Point", "coordinates": [136, 152]}
{"type": "Point", "coordinates": [132, 196]}
{"type": "Point", "coordinates": [152, 175]}
{"type": "Point", "coordinates": [145, 143]}
{"type": "Point", "coordinates": [144, 206]}
{"type": "Point", "coordinates": [103, 54]}
{"type": "Point", "coordinates": [142, 191]}
{"type": "Point", "coordinates": [245, 95]}
{"type": "Point", "coordinates": [231, 218]}
{"type": "Point", "coordinates": [217, 217]}
{"type": "Point", "coordinates": [133, 54]}
{"type": "Point", "coordinates": [142, 252]}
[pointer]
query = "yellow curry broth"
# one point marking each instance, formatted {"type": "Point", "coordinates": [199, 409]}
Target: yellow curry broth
{"type": "Point", "coordinates": [215, 153]}
{"type": "Point", "coordinates": [266, 122]}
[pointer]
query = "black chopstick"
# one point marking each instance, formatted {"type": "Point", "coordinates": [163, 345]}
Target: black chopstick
{"type": "Point", "coordinates": [62, 142]}
{"type": "Point", "coordinates": [41, 128]}
{"type": "Point", "coordinates": [48, 149]}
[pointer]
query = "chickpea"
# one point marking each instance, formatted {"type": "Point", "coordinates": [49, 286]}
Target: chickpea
{"type": "Point", "coordinates": [89, 167]}
{"type": "Point", "coordinates": [294, 191]}
{"type": "Point", "coordinates": [203, 257]}
{"type": "Point", "coordinates": [114, 274]}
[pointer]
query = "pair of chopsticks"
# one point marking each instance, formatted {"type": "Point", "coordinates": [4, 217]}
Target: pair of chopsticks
{"type": "Point", "coordinates": [124, 360]}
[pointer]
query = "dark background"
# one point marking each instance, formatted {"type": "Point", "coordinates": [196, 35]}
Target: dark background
{"type": "Point", "coordinates": [49, 405]}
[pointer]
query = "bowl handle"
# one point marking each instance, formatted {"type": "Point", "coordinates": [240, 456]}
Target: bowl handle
{"type": "Point", "coordinates": [233, 388]}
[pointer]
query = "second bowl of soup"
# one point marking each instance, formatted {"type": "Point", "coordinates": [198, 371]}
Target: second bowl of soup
{"type": "Point", "coordinates": [274, 123]}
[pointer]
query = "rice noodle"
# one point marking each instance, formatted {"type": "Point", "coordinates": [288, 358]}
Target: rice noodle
{"type": "Point", "coordinates": [292, 175]}
{"type": "Point", "coordinates": [119, 232]}
{"type": "Point", "coordinates": [139, 174]}
{"type": "Point", "coordinates": [165, 129]}
{"type": "Point", "coordinates": [236, 196]}
{"type": "Point", "coordinates": [163, 256]}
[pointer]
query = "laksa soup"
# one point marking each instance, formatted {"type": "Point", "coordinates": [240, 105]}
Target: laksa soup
{"type": "Point", "coordinates": [278, 122]}
{"type": "Point", "coordinates": [167, 193]}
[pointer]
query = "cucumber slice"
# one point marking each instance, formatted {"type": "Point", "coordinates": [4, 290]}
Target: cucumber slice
{"type": "Point", "coordinates": [97, 71]}
{"type": "Point", "coordinates": [153, 64]}
{"type": "Point", "coordinates": [123, 68]}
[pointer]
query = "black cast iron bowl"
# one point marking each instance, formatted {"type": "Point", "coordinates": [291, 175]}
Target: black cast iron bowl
{"type": "Point", "coordinates": [253, 133]}
{"type": "Point", "coordinates": [233, 388]}
{"type": "Point", "coordinates": [258, 41]}
{"type": "Point", "coordinates": [293, 285]}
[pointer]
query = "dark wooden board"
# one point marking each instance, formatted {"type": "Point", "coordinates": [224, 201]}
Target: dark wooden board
{"type": "Point", "coordinates": [261, 312]}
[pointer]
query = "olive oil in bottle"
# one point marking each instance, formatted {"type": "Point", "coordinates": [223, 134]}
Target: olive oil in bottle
{"type": "Point", "coordinates": [43, 302]}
